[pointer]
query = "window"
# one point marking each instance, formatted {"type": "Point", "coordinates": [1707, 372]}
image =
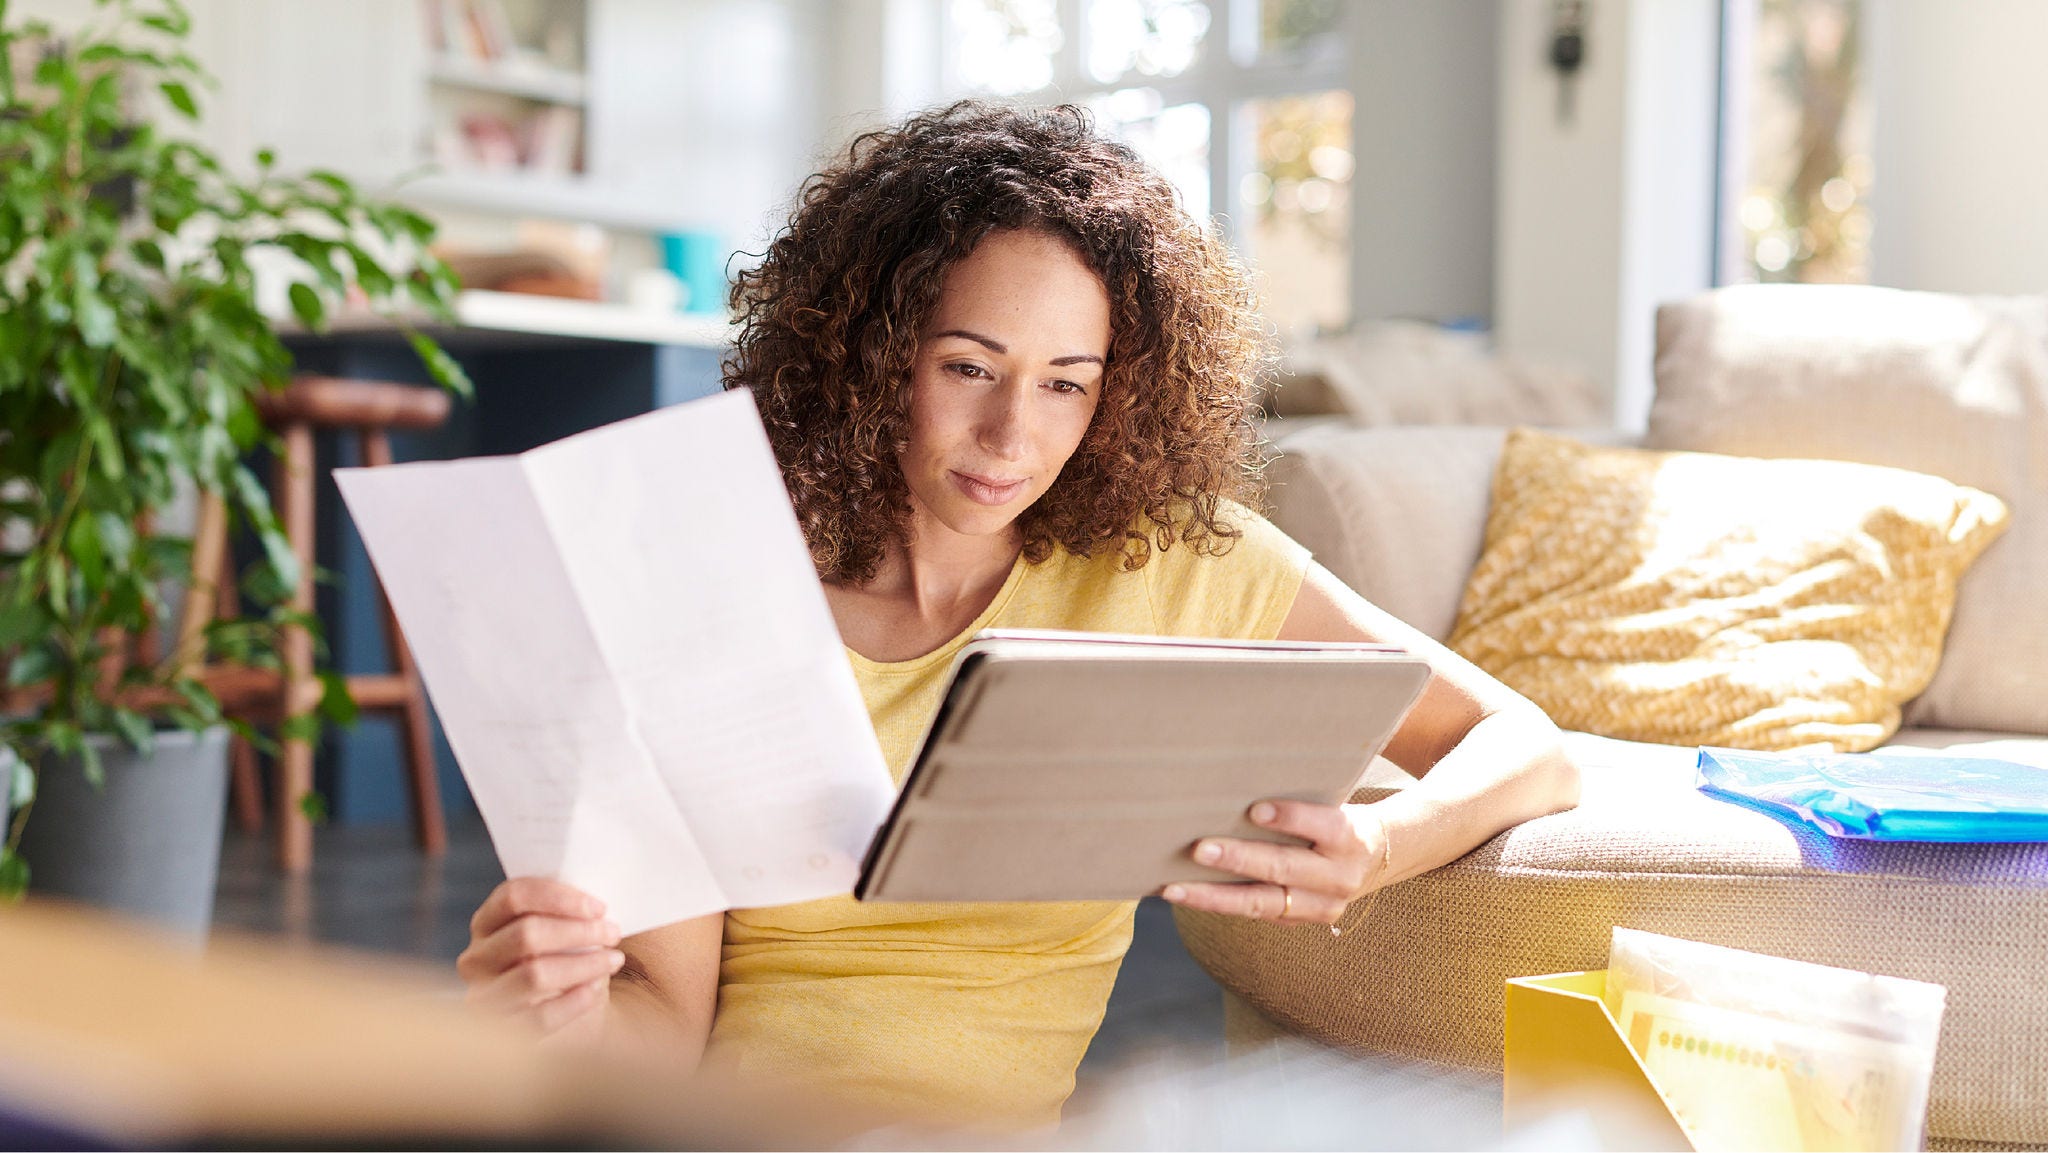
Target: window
{"type": "Point", "coordinates": [1795, 144]}
{"type": "Point", "coordinates": [1242, 104]}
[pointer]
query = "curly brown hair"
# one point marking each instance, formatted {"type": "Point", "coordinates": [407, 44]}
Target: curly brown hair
{"type": "Point", "coordinates": [830, 321]}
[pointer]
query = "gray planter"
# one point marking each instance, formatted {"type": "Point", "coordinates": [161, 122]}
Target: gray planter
{"type": "Point", "coordinates": [148, 844]}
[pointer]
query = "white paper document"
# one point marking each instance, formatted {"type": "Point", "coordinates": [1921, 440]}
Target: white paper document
{"type": "Point", "coordinates": [631, 655]}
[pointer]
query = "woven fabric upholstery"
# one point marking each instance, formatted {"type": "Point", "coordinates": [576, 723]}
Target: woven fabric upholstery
{"type": "Point", "coordinates": [1423, 975]}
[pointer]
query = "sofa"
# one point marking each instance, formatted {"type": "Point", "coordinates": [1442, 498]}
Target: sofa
{"type": "Point", "coordinates": [1952, 386]}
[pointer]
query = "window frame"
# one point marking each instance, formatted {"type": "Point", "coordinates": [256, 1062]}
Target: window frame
{"type": "Point", "coordinates": [1225, 78]}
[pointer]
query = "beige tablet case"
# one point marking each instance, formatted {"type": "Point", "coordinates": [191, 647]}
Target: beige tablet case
{"type": "Point", "coordinates": [1079, 767]}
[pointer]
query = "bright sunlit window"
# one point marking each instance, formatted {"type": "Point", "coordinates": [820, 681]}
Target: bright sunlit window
{"type": "Point", "coordinates": [1242, 104]}
{"type": "Point", "coordinates": [1797, 133]}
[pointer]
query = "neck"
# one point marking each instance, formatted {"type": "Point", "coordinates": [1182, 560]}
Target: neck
{"type": "Point", "coordinates": [938, 571]}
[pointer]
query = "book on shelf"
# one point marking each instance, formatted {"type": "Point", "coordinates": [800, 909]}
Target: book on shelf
{"type": "Point", "coordinates": [552, 140]}
{"type": "Point", "coordinates": [474, 30]}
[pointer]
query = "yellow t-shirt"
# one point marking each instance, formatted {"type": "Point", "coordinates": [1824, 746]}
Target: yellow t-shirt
{"type": "Point", "coordinates": [974, 1013]}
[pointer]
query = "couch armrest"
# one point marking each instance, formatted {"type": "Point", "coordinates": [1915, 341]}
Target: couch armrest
{"type": "Point", "coordinates": [1397, 512]}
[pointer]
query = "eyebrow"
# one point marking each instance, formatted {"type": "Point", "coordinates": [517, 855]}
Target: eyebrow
{"type": "Point", "coordinates": [1000, 349]}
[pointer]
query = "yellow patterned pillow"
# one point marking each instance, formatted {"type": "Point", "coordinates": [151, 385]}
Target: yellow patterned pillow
{"type": "Point", "coordinates": [1693, 599]}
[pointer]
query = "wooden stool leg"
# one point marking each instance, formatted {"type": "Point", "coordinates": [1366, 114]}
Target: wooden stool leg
{"type": "Point", "coordinates": [246, 786]}
{"type": "Point", "coordinates": [428, 826]}
{"type": "Point", "coordinates": [293, 484]}
{"type": "Point", "coordinates": [245, 782]}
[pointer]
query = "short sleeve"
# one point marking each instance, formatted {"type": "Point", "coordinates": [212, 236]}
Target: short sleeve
{"type": "Point", "coordinates": [1244, 594]}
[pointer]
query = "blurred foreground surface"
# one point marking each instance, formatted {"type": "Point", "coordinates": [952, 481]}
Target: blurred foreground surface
{"type": "Point", "coordinates": [275, 1036]}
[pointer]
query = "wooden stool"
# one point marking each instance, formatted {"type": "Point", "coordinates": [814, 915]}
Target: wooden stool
{"type": "Point", "coordinates": [371, 409]}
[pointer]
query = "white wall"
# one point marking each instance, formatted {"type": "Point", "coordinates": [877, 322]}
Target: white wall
{"type": "Point", "coordinates": [1423, 115]}
{"type": "Point", "coordinates": [1607, 212]}
{"type": "Point", "coordinates": [881, 63]}
{"type": "Point", "coordinates": [718, 120]}
{"type": "Point", "coordinates": [1668, 181]}
{"type": "Point", "coordinates": [1557, 275]}
{"type": "Point", "coordinates": [1960, 189]}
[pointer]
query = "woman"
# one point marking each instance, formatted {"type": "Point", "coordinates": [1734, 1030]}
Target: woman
{"type": "Point", "coordinates": [1010, 384]}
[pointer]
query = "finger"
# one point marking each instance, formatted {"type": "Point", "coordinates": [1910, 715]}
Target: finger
{"type": "Point", "coordinates": [1324, 826]}
{"type": "Point", "coordinates": [521, 896]}
{"type": "Point", "coordinates": [1259, 902]}
{"type": "Point", "coordinates": [533, 935]}
{"type": "Point", "coordinates": [565, 1009]}
{"type": "Point", "coordinates": [541, 979]}
{"type": "Point", "coordinates": [1289, 865]}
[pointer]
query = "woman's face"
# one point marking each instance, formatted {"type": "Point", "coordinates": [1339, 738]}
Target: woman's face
{"type": "Point", "coordinates": [1008, 375]}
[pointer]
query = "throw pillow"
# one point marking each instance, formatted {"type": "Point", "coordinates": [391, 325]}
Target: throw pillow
{"type": "Point", "coordinates": [1955, 386]}
{"type": "Point", "coordinates": [1693, 599]}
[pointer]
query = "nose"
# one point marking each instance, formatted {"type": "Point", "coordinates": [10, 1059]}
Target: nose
{"type": "Point", "coordinates": [1006, 422]}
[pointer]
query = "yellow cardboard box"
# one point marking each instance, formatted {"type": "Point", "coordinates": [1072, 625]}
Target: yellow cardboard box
{"type": "Point", "coordinates": [1566, 1063]}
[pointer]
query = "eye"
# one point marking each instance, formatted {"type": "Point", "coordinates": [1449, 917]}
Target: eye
{"type": "Point", "coordinates": [970, 371]}
{"type": "Point", "coordinates": [1069, 387]}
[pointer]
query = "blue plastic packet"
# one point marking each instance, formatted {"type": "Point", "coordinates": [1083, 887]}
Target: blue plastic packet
{"type": "Point", "coordinates": [1887, 796]}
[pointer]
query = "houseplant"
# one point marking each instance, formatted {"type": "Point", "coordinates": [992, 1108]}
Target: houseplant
{"type": "Point", "coordinates": [131, 351]}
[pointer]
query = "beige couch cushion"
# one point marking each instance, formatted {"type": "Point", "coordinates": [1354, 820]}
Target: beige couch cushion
{"type": "Point", "coordinates": [1953, 386]}
{"type": "Point", "coordinates": [1397, 513]}
{"type": "Point", "coordinates": [1352, 495]}
{"type": "Point", "coordinates": [1400, 372]}
{"type": "Point", "coordinates": [1422, 975]}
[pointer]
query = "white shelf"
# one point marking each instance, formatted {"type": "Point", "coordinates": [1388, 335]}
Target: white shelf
{"type": "Point", "coordinates": [553, 316]}
{"type": "Point", "coordinates": [512, 312]}
{"type": "Point", "coordinates": [522, 193]}
{"type": "Point", "coordinates": [553, 86]}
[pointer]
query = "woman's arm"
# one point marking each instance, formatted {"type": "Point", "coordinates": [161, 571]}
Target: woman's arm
{"type": "Point", "coordinates": [664, 997]}
{"type": "Point", "coordinates": [1485, 757]}
{"type": "Point", "coordinates": [541, 951]}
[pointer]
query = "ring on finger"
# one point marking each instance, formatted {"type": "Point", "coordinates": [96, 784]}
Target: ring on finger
{"type": "Point", "coordinates": [1286, 902]}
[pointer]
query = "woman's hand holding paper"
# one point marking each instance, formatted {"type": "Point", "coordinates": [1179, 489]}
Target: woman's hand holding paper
{"type": "Point", "coordinates": [543, 952]}
{"type": "Point", "coordinates": [1345, 858]}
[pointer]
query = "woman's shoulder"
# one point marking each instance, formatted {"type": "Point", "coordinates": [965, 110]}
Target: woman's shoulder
{"type": "Point", "coordinates": [1230, 573]}
{"type": "Point", "coordinates": [1230, 528]}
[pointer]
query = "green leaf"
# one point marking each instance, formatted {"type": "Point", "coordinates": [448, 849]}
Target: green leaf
{"type": "Point", "coordinates": [441, 366]}
{"type": "Point", "coordinates": [21, 785]}
{"type": "Point", "coordinates": [266, 158]}
{"type": "Point", "coordinates": [84, 542]}
{"type": "Point", "coordinates": [96, 318]}
{"type": "Point", "coordinates": [336, 705]}
{"type": "Point", "coordinates": [13, 875]}
{"type": "Point", "coordinates": [57, 582]}
{"type": "Point", "coordinates": [244, 425]}
{"type": "Point", "coordinates": [135, 730]}
{"type": "Point", "coordinates": [332, 180]}
{"type": "Point", "coordinates": [314, 806]}
{"type": "Point", "coordinates": [21, 622]}
{"type": "Point", "coordinates": [302, 727]}
{"type": "Point", "coordinates": [117, 537]}
{"type": "Point", "coordinates": [89, 759]}
{"type": "Point", "coordinates": [306, 303]}
{"type": "Point", "coordinates": [150, 253]}
{"type": "Point", "coordinates": [277, 548]}
{"type": "Point", "coordinates": [180, 98]}
{"type": "Point", "coordinates": [109, 446]}
{"type": "Point", "coordinates": [31, 666]}
{"type": "Point", "coordinates": [172, 23]}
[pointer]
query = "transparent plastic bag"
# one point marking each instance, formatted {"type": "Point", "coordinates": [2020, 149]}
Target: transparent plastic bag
{"type": "Point", "coordinates": [1887, 796]}
{"type": "Point", "coordinates": [1759, 1052]}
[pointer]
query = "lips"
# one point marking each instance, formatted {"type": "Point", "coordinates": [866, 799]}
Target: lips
{"type": "Point", "coordinates": [988, 490]}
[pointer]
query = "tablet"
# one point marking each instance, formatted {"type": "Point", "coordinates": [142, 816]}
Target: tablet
{"type": "Point", "coordinates": [1083, 766]}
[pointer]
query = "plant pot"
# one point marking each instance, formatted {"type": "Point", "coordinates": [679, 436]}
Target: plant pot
{"type": "Point", "coordinates": [148, 844]}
